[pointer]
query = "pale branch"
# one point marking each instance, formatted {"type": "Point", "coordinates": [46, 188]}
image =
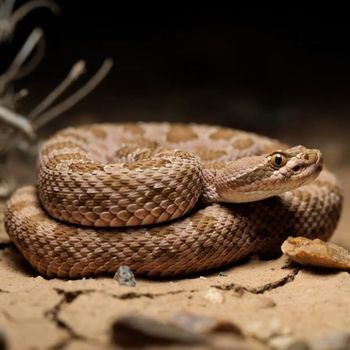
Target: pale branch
{"type": "Point", "coordinates": [15, 67]}
{"type": "Point", "coordinates": [76, 97]}
{"type": "Point", "coordinates": [18, 121]}
{"type": "Point", "coordinates": [30, 6]}
{"type": "Point", "coordinates": [9, 20]}
{"type": "Point", "coordinates": [6, 28]}
{"type": "Point", "coordinates": [39, 54]}
{"type": "Point", "coordinates": [26, 50]}
{"type": "Point", "coordinates": [6, 8]}
{"type": "Point", "coordinates": [76, 71]}
{"type": "Point", "coordinates": [10, 98]}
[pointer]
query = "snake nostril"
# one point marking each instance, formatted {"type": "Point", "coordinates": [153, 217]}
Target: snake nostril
{"type": "Point", "coordinates": [296, 168]}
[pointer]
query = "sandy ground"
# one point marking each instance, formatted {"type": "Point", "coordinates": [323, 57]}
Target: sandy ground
{"type": "Point", "coordinates": [36, 313]}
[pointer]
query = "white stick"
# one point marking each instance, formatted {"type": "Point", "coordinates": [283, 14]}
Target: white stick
{"type": "Point", "coordinates": [76, 97]}
{"type": "Point", "coordinates": [30, 6]}
{"type": "Point", "coordinates": [76, 71]}
{"type": "Point", "coordinates": [6, 8]}
{"type": "Point", "coordinates": [18, 121]}
{"type": "Point", "coordinates": [20, 58]}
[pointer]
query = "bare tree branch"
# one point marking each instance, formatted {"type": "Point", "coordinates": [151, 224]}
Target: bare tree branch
{"type": "Point", "coordinates": [6, 8]}
{"type": "Point", "coordinates": [39, 53]}
{"type": "Point", "coordinates": [77, 70]}
{"type": "Point", "coordinates": [18, 121]}
{"type": "Point", "coordinates": [76, 97]}
{"type": "Point", "coordinates": [9, 22]}
{"type": "Point", "coordinates": [15, 67]}
{"type": "Point", "coordinates": [32, 5]}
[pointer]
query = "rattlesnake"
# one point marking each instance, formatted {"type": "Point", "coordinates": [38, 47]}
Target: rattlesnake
{"type": "Point", "coordinates": [170, 186]}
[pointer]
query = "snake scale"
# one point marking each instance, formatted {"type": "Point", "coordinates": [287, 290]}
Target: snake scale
{"type": "Point", "coordinates": [166, 199]}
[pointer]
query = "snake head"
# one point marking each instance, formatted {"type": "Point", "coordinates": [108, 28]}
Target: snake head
{"type": "Point", "coordinates": [297, 165]}
{"type": "Point", "coordinates": [259, 177]}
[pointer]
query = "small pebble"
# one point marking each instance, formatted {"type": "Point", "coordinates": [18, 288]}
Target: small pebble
{"type": "Point", "coordinates": [39, 278]}
{"type": "Point", "coordinates": [203, 324]}
{"type": "Point", "coordinates": [125, 276]}
{"type": "Point", "coordinates": [136, 332]}
{"type": "Point", "coordinates": [213, 295]}
{"type": "Point", "coordinates": [287, 342]}
{"type": "Point", "coordinates": [265, 330]}
{"type": "Point", "coordinates": [332, 341]}
{"type": "Point", "coordinates": [222, 274]}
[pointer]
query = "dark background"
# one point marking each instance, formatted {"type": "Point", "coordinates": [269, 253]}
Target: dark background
{"type": "Point", "coordinates": [279, 71]}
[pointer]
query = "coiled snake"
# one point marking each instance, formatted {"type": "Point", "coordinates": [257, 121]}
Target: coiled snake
{"type": "Point", "coordinates": [159, 197]}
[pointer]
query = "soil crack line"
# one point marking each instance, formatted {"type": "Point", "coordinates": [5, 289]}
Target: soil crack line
{"type": "Point", "coordinates": [134, 295]}
{"type": "Point", "coordinates": [240, 289]}
{"type": "Point", "coordinates": [53, 315]}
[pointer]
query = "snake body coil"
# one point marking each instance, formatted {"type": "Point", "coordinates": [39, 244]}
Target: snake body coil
{"type": "Point", "coordinates": [158, 198]}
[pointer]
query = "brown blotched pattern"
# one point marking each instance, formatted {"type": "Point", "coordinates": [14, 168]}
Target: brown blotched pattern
{"type": "Point", "coordinates": [181, 133]}
{"type": "Point", "coordinates": [243, 143]}
{"type": "Point", "coordinates": [223, 134]}
{"type": "Point", "coordinates": [153, 196]}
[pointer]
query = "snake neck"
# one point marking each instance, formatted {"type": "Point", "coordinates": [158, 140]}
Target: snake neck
{"type": "Point", "coordinates": [230, 177]}
{"type": "Point", "coordinates": [209, 189]}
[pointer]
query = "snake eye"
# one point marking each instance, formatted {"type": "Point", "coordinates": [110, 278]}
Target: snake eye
{"type": "Point", "coordinates": [277, 160]}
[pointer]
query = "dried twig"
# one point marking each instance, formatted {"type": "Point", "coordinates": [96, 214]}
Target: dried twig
{"type": "Point", "coordinates": [74, 98]}
{"type": "Point", "coordinates": [18, 121]}
{"type": "Point", "coordinates": [6, 28]}
{"type": "Point", "coordinates": [32, 5]}
{"type": "Point", "coordinates": [6, 8]}
{"type": "Point", "coordinates": [16, 68]}
{"type": "Point", "coordinates": [9, 22]}
{"type": "Point", "coordinates": [39, 53]}
{"type": "Point", "coordinates": [77, 70]}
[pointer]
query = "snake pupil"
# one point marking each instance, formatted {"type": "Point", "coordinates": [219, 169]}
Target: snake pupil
{"type": "Point", "coordinates": [278, 159]}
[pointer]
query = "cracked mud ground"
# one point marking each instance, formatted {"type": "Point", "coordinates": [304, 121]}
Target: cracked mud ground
{"type": "Point", "coordinates": [36, 313]}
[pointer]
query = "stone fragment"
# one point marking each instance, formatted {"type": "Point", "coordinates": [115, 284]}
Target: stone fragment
{"type": "Point", "coordinates": [316, 253]}
{"type": "Point", "coordinates": [287, 342]}
{"type": "Point", "coordinates": [136, 331]}
{"type": "Point", "coordinates": [265, 330]}
{"type": "Point", "coordinates": [275, 335]}
{"type": "Point", "coordinates": [213, 295]}
{"type": "Point", "coordinates": [332, 341]}
{"type": "Point", "coordinates": [125, 276]}
{"type": "Point", "coordinates": [222, 274]}
{"type": "Point", "coordinates": [203, 324]}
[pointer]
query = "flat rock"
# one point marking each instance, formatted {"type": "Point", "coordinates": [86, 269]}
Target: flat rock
{"type": "Point", "coordinates": [316, 253]}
